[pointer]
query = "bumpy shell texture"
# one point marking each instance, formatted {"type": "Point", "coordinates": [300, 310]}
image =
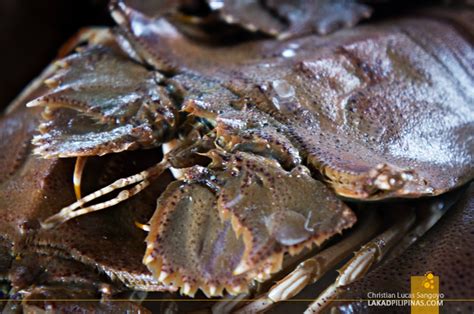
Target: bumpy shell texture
{"type": "Point", "coordinates": [275, 211]}
{"type": "Point", "coordinates": [379, 112]}
{"type": "Point", "coordinates": [81, 255]}
{"type": "Point", "coordinates": [121, 106]}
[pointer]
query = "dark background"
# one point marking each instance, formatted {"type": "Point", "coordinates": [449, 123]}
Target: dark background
{"type": "Point", "coordinates": [31, 32]}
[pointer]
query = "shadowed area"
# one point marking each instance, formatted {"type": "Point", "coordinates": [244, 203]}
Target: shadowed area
{"type": "Point", "coordinates": [31, 33]}
{"type": "Point", "coordinates": [446, 250]}
{"type": "Point", "coordinates": [108, 243]}
{"type": "Point", "coordinates": [377, 112]}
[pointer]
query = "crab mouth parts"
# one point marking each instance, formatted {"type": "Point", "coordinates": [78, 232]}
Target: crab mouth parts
{"type": "Point", "coordinates": [262, 203]}
{"type": "Point", "coordinates": [221, 194]}
{"type": "Point", "coordinates": [222, 168]}
{"type": "Point", "coordinates": [232, 174]}
{"type": "Point", "coordinates": [372, 242]}
{"type": "Point", "coordinates": [245, 203]}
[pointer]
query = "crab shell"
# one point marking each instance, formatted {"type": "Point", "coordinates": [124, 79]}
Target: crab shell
{"type": "Point", "coordinates": [84, 259]}
{"type": "Point", "coordinates": [446, 250]}
{"type": "Point", "coordinates": [345, 107]}
{"type": "Point", "coordinates": [351, 107]}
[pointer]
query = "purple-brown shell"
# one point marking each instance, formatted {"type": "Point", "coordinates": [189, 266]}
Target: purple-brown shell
{"type": "Point", "coordinates": [379, 112]}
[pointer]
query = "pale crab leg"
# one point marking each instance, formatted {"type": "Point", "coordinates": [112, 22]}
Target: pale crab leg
{"type": "Point", "coordinates": [178, 174]}
{"type": "Point", "coordinates": [369, 255]}
{"type": "Point", "coordinates": [143, 179]}
{"type": "Point", "coordinates": [143, 227]}
{"type": "Point", "coordinates": [77, 176]}
{"type": "Point", "coordinates": [232, 302]}
{"type": "Point", "coordinates": [311, 269]}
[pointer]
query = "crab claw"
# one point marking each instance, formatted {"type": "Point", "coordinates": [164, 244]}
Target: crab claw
{"type": "Point", "coordinates": [223, 227]}
{"type": "Point", "coordinates": [101, 102]}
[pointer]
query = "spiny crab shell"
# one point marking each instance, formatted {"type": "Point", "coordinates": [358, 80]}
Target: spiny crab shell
{"type": "Point", "coordinates": [267, 133]}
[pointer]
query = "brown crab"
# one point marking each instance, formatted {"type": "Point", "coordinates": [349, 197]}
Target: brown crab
{"type": "Point", "coordinates": [261, 135]}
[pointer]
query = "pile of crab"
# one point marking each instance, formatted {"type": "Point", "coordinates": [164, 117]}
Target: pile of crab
{"type": "Point", "coordinates": [240, 148]}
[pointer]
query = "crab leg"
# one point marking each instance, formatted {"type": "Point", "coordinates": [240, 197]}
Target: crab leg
{"type": "Point", "coordinates": [143, 179]}
{"type": "Point", "coordinates": [77, 176]}
{"type": "Point", "coordinates": [369, 255]}
{"type": "Point", "coordinates": [233, 302]}
{"type": "Point", "coordinates": [229, 306]}
{"type": "Point", "coordinates": [311, 269]}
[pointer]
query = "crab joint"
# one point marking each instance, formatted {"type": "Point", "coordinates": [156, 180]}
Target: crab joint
{"type": "Point", "coordinates": [141, 181]}
{"type": "Point", "coordinates": [312, 269]}
{"type": "Point", "coordinates": [369, 255]}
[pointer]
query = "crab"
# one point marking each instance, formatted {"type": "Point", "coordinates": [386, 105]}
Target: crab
{"type": "Point", "coordinates": [243, 162]}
